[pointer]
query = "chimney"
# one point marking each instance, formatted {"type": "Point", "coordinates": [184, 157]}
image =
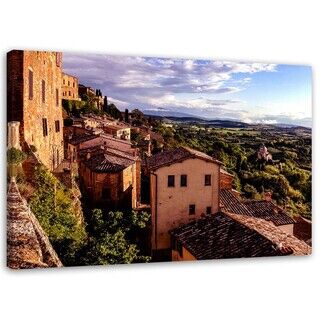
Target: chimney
{"type": "Point", "coordinates": [268, 196]}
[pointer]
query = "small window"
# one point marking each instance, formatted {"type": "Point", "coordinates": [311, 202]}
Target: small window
{"type": "Point", "coordinates": [30, 85]}
{"type": "Point", "coordinates": [170, 181]}
{"type": "Point", "coordinates": [179, 249]}
{"type": "Point", "coordinates": [68, 83]}
{"type": "Point", "coordinates": [44, 127]}
{"type": "Point", "coordinates": [207, 180]}
{"type": "Point", "coordinates": [64, 81]}
{"type": "Point", "coordinates": [69, 93]}
{"type": "Point", "coordinates": [73, 84]}
{"type": "Point", "coordinates": [57, 125]}
{"type": "Point", "coordinates": [106, 193]}
{"type": "Point", "coordinates": [43, 89]}
{"type": "Point", "coordinates": [209, 210]}
{"type": "Point", "coordinates": [57, 97]}
{"type": "Point", "coordinates": [192, 209]}
{"type": "Point", "coordinates": [183, 180]}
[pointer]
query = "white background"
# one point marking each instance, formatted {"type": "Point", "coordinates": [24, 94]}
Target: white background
{"type": "Point", "coordinates": [267, 31]}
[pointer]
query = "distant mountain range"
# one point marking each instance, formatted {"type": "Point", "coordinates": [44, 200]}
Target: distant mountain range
{"type": "Point", "coordinates": [224, 123]}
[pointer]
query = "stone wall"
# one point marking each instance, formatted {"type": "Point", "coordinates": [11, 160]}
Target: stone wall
{"type": "Point", "coordinates": [39, 112]}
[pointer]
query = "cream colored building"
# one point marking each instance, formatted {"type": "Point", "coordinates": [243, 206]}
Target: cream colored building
{"type": "Point", "coordinates": [184, 186]}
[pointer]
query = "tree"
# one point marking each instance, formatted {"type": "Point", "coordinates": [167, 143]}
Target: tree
{"type": "Point", "coordinates": [112, 237]}
{"type": "Point", "coordinates": [52, 205]}
{"type": "Point", "coordinates": [126, 116]}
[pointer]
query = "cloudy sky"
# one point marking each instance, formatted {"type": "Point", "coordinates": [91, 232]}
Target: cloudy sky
{"type": "Point", "coordinates": [249, 92]}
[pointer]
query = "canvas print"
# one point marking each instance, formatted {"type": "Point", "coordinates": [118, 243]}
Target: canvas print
{"type": "Point", "coordinates": [121, 159]}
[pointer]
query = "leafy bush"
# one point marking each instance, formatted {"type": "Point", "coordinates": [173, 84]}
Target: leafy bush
{"type": "Point", "coordinates": [15, 156]}
{"type": "Point", "coordinates": [52, 205]}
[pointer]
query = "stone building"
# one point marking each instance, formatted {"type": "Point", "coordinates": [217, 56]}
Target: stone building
{"type": "Point", "coordinates": [85, 91]}
{"type": "Point", "coordinates": [184, 186]}
{"type": "Point", "coordinates": [34, 99]}
{"type": "Point", "coordinates": [110, 178]}
{"type": "Point", "coordinates": [70, 87]}
{"type": "Point", "coordinates": [27, 244]}
{"type": "Point", "coordinates": [117, 130]}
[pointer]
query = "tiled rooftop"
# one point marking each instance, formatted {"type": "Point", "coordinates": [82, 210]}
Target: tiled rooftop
{"type": "Point", "coordinates": [171, 156]}
{"type": "Point", "coordinates": [77, 139]}
{"type": "Point", "coordinates": [219, 236]}
{"type": "Point", "coordinates": [260, 209]}
{"type": "Point", "coordinates": [230, 203]}
{"type": "Point", "coordinates": [225, 235]}
{"type": "Point", "coordinates": [107, 163]}
{"type": "Point", "coordinates": [269, 211]}
{"type": "Point", "coordinates": [27, 244]}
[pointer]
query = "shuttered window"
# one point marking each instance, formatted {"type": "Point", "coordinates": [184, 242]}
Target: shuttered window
{"type": "Point", "coordinates": [44, 127]}
{"type": "Point", "coordinates": [57, 97]}
{"type": "Point", "coordinates": [57, 125]}
{"type": "Point", "coordinates": [43, 90]}
{"type": "Point", "coordinates": [30, 78]}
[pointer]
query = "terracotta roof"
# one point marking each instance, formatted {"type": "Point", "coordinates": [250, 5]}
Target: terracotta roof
{"type": "Point", "coordinates": [269, 211]}
{"type": "Point", "coordinates": [100, 149]}
{"type": "Point", "coordinates": [260, 209]}
{"type": "Point", "coordinates": [27, 244]}
{"type": "Point", "coordinates": [77, 139]}
{"type": "Point", "coordinates": [226, 172]}
{"type": "Point", "coordinates": [276, 235]}
{"type": "Point", "coordinates": [219, 236]}
{"type": "Point", "coordinates": [225, 235]}
{"type": "Point", "coordinates": [171, 156]}
{"type": "Point", "coordinates": [230, 203]}
{"type": "Point", "coordinates": [108, 163]}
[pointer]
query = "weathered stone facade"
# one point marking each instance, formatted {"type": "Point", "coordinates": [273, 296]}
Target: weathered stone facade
{"type": "Point", "coordinates": [34, 99]}
{"type": "Point", "coordinates": [70, 87]}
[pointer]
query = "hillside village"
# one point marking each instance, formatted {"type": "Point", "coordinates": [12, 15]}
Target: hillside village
{"type": "Point", "coordinates": [89, 184]}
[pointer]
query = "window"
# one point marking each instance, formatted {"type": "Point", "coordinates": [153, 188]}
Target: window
{"type": "Point", "coordinates": [106, 193]}
{"type": "Point", "coordinates": [183, 180]}
{"type": "Point", "coordinates": [170, 181]}
{"type": "Point", "coordinates": [43, 89]}
{"type": "Point", "coordinates": [57, 97]}
{"type": "Point", "coordinates": [44, 127]}
{"type": "Point", "coordinates": [68, 83]}
{"type": "Point", "coordinates": [30, 85]}
{"type": "Point", "coordinates": [192, 209]}
{"type": "Point", "coordinates": [64, 81]}
{"type": "Point", "coordinates": [69, 93]}
{"type": "Point", "coordinates": [57, 125]}
{"type": "Point", "coordinates": [179, 249]}
{"type": "Point", "coordinates": [208, 210]}
{"type": "Point", "coordinates": [73, 84]}
{"type": "Point", "coordinates": [207, 180]}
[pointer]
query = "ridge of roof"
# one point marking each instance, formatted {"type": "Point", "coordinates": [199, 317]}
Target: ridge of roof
{"type": "Point", "coordinates": [170, 156]}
